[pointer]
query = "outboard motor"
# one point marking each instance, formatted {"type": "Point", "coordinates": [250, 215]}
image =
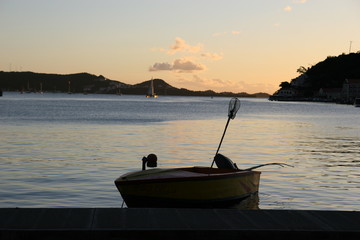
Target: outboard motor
{"type": "Point", "coordinates": [224, 162]}
{"type": "Point", "coordinates": [150, 161]}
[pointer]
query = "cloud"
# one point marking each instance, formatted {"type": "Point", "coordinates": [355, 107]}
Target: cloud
{"type": "Point", "coordinates": [184, 65]}
{"type": "Point", "coordinates": [194, 50]}
{"type": "Point", "coordinates": [212, 56]}
{"type": "Point", "coordinates": [181, 46]}
{"type": "Point", "coordinates": [196, 82]}
{"type": "Point", "coordinates": [181, 65]}
{"type": "Point", "coordinates": [287, 9]}
{"type": "Point", "coordinates": [161, 67]}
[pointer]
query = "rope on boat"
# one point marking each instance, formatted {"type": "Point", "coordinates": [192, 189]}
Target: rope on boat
{"type": "Point", "coordinates": [267, 164]}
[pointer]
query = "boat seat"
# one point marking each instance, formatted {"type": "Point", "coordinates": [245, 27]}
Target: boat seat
{"type": "Point", "coordinates": [224, 162]}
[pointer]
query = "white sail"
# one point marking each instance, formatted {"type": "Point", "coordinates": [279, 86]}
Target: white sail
{"type": "Point", "coordinates": [151, 92]}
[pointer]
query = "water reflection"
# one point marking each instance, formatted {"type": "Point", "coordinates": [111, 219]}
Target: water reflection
{"type": "Point", "coordinates": [67, 151]}
{"type": "Point", "coordinates": [249, 203]}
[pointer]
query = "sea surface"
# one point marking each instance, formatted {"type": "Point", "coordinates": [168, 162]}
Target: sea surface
{"type": "Point", "coordinates": [66, 150]}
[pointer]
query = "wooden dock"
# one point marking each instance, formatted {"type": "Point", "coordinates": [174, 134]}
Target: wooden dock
{"type": "Point", "coordinates": [146, 223]}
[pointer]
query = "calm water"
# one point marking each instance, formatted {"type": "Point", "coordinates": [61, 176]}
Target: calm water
{"type": "Point", "coordinates": [60, 150]}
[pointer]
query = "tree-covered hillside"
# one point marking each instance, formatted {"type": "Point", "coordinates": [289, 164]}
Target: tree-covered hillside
{"type": "Point", "coordinates": [332, 72]}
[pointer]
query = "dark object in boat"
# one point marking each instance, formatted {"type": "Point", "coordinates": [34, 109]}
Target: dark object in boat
{"type": "Point", "coordinates": [224, 162]}
{"type": "Point", "coordinates": [150, 161]}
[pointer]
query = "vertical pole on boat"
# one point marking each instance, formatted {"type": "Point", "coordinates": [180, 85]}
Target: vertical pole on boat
{"type": "Point", "coordinates": [234, 106]}
{"type": "Point", "coordinates": [222, 138]}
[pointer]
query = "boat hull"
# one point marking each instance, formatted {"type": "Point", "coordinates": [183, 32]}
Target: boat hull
{"type": "Point", "coordinates": [187, 187]}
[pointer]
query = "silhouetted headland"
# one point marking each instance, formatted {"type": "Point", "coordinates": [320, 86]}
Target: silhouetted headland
{"type": "Point", "coordinates": [89, 83]}
{"type": "Point", "coordinates": [336, 79]}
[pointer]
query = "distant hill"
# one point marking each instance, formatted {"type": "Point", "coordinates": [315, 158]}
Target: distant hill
{"type": "Point", "coordinates": [35, 82]}
{"type": "Point", "coordinates": [89, 83]}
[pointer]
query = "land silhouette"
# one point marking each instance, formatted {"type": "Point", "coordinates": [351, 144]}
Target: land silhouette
{"type": "Point", "coordinates": [328, 74]}
{"type": "Point", "coordinates": [327, 80]}
{"type": "Point", "coordinates": [90, 83]}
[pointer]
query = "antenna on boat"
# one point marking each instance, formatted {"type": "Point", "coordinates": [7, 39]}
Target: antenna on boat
{"type": "Point", "coordinates": [234, 106]}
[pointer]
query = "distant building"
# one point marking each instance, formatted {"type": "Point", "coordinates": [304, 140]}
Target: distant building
{"type": "Point", "coordinates": [351, 90]}
{"type": "Point", "coordinates": [330, 94]}
{"type": "Point", "coordinates": [287, 92]}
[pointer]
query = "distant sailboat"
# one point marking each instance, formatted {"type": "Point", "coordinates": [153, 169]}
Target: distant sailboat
{"type": "Point", "coordinates": [118, 90]}
{"type": "Point", "coordinates": [41, 91]}
{"type": "Point", "coordinates": [151, 92]}
{"type": "Point", "coordinates": [28, 87]}
{"type": "Point", "coordinates": [69, 87]}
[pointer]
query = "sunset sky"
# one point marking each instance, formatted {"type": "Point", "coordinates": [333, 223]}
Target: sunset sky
{"type": "Point", "coordinates": [228, 45]}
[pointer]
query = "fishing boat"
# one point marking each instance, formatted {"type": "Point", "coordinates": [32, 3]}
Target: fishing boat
{"type": "Point", "coordinates": [151, 93]}
{"type": "Point", "coordinates": [200, 187]}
